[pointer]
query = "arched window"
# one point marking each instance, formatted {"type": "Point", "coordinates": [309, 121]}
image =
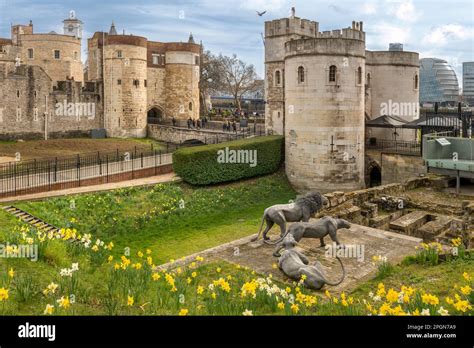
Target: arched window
{"type": "Point", "coordinates": [300, 74]}
{"type": "Point", "coordinates": [278, 77]}
{"type": "Point", "coordinates": [368, 80]}
{"type": "Point", "coordinates": [359, 76]}
{"type": "Point", "coordinates": [190, 106]}
{"type": "Point", "coordinates": [332, 73]}
{"type": "Point", "coordinates": [416, 81]}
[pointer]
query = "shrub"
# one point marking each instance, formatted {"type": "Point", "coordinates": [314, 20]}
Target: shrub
{"type": "Point", "coordinates": [200, 165]}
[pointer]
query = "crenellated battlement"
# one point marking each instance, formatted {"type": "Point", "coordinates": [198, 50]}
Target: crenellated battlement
{"type": "Point", "coordinates": [289, 26]}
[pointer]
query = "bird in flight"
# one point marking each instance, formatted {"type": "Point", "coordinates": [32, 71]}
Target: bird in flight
{"type": "Point", "coordinates": [261, 13]}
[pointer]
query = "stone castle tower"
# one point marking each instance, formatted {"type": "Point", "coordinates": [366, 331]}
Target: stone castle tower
{"type": "Point", "coordinates": [143, 78]}
{"type": "Point", "coordinates": [316, 91]}
{"type": "Point", "coordinates": [128, 78]}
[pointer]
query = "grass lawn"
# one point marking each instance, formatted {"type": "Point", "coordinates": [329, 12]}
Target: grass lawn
{"type": "Point", "coordinates": [37, 149]}
{"type": "Point", "coordinates": [174, 220]}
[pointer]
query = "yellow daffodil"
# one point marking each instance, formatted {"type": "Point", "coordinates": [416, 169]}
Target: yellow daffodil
{"type": "Point", "coordinates": [430, 299]}
{"type": "Point", "coordinates": [49, 309]}
{"type": "Point", "coordinates": [281, 305]}
{"type": "Point", "coordinates": [11, 273]}
{"type": "Point", "coordinates": [3, 294]}
{"type": "Point", "coordinates": [130, 301]}
{"type": "Point", "coordinates": [64, 302]}
{"type": "Point", "coordinates": [183, 312]}
{"type": "Point", "coordinates": [200, 290]}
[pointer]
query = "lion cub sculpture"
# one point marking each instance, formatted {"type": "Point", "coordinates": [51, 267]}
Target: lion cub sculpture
{"type": "Point", "coordinates": [318, 229]}
{"type": "Point", "coordinates": [294, 265]}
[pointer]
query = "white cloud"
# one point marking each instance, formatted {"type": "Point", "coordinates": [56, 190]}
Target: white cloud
{"type": "Point", "coordinates": [385, 33]}
{"type": "Point", "coordinates": [369, 8]}
{"type": "Point", "coordinates": [441, 35]}
{"type": "Point", "coordinates": [404, 10]}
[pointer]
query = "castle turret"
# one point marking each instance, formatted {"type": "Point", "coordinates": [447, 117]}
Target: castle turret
{"type": "Point", "coordinates": [112, 30]}
{"type": "Point", "coordinates": [182, 80]}
{"type": "Point", "coordinates": [73, 26]}
{"type": "Point", "coordinates": [277, 33]}
{"type": "Point", "coordinates": [324, 97]}
{"type": "Point", "coordinates": [125, 71]}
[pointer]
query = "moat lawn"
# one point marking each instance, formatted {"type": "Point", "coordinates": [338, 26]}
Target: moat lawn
{"type": "Point", "coordinates": [39, 149]}
{"type": "Point", "coordinates": [174, 220]}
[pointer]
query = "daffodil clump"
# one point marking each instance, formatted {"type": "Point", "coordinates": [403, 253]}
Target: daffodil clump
{"type": "Point", "coordinates": [411, 301]}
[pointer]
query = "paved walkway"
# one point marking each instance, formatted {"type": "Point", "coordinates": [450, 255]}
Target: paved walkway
{"type": "Point", "coordinates": [165, 178]}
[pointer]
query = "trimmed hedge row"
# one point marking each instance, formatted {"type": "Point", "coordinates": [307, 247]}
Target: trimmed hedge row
{"type": "Point", "coordinates": [203, 165]}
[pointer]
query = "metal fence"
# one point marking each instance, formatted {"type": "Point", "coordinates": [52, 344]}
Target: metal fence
{"type": "Point", "coordinates": [394, 146]}
{"type": "Point", "coordinates": [33, 176]}
{"type": "Point", "coordinates": [19, 178]}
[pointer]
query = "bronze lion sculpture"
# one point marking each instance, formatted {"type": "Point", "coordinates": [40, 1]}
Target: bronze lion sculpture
{"type": "Point", "coordinates": [295, 265]}
{"type": "Point", "coordinates": [301, 210]}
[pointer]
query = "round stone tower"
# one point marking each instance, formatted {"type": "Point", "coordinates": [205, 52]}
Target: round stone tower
{"type": "Point", "coordinates": [125, 95]}
{"type": "Point", "coordinates": [182, 80]}
{"type": "Point", "coordinates": [400, 99]}
{"type": "Point", "coordinates": [324, 101]}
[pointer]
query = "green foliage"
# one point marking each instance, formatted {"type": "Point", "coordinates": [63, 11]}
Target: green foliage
{"type": "Point", "coordinates": [200, 165]}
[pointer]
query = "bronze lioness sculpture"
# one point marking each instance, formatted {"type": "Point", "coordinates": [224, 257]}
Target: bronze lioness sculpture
{"type": "Point", "coordinates": [295, 265]}
{"type": "Point", "coordinates": [318, 229]}
{"type": "Point", "coordinates": [301, 210]}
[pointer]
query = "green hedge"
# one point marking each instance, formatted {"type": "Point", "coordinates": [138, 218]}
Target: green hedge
{"type": "Point", "coordinates": [200, 165]}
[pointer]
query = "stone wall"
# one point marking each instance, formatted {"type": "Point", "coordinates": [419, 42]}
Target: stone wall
{"type": "Point", "coordinates": [401, 168]}
{"type": "Point", "coordinates": [156, 93]}
{"type": "Point", "coordinates": [68, 66]}
{"type": "Point", "coordinates": [28, 95]}
{"type": "Point", "coordinates": [180, 135]}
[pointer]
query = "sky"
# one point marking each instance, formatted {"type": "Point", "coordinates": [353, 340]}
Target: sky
{"type": "Point", "coordinates": [434, 28]}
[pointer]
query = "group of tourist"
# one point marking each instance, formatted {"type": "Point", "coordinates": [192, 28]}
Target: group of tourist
{"type": "Point", "coordinates": [196, 124]}
{"type": "Point", "coordinates": [229, 127]}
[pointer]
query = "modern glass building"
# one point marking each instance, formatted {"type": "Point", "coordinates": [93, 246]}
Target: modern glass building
{"type": "Point", "coordinates": [468, 82]}
{"type": "Point", "coordinates": [438, 82]}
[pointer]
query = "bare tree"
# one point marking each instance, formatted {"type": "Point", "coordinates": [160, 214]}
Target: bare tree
{"type": "Point", "coordinates": [211, 77]}
{"type": "Point", "coordinates": [236, 77]}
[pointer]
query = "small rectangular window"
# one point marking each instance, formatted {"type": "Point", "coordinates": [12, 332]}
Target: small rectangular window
{"type": "Point", "coordinates": [145, 84]}
{"type": "Point", "coordinates": [119, 54]}
{"type": "Point", "coordinates": [57, 54]}
{"type": "Point", "coordinates": [136, 83]}
{"type": "Point", "coordinates": [155, 59]}
{"type": "Point", "coordinates": [196, 60]}
{"type": "Point", "coordinates": [31, 54]}
{"type": "Point", "coordinates": [119, 82]}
